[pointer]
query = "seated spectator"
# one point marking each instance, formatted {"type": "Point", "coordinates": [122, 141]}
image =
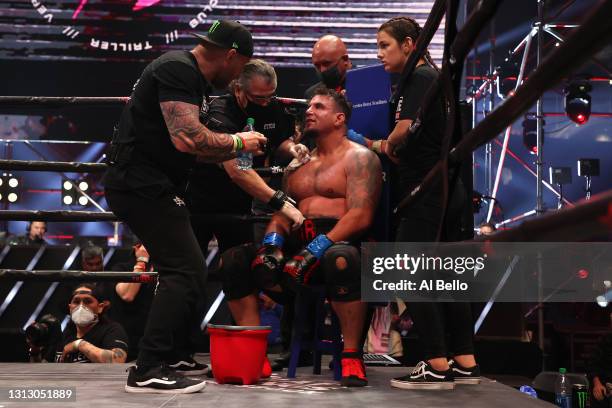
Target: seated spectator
{"type": "Point", "coordinates": [132, 301]}
{"type": "Point", "coordinates": [90, 337]}
{"type": "Point", "coordinates": [92, 258]}
{"type": "Point", "coordinates": [35, 234]}
{"type": "Point", "coordinates": [487, 228]}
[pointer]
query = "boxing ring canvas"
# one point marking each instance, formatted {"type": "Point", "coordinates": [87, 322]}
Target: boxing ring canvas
{"type": "Point", "coordinates": [102, 385]}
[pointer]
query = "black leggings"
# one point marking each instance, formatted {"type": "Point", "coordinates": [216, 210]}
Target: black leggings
{"type": "Point", "coordinates": [161, 221]}
{"type": "Point", "coordinates": [443, 328]}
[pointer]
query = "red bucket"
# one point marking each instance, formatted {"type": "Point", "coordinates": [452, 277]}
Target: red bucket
{"type": "Point", "coordinates": [237, 353]}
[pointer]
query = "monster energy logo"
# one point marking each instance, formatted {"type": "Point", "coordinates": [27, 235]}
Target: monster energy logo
{"type": "Point", "coordinates": [582, 398]}
{"type": "Point", "coordinates": [234, 45]}
{"type": "Point", "coordinates": [214, 27]}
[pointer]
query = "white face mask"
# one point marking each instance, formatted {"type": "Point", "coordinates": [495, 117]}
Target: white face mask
{"type": "Point", "coordinates": [82, 316]}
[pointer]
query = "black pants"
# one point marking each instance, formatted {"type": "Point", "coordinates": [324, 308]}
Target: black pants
{"type": "Point", "coordinates": [162, 222]}
{"type": "Point", "coordinates": [443, 328]}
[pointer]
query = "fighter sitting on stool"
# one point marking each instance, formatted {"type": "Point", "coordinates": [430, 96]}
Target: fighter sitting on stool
{"type": "Point", "coordinates": [342, 182]}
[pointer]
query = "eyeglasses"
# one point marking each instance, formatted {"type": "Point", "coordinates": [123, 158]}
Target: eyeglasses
{"type": "Point", "coordinates": [261, 98]}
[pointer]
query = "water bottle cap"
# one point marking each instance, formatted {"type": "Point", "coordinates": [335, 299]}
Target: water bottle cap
{"type": "Point", "coordinates": [250, 121]}
{"type": "Point", "coordinates": [562, 370]}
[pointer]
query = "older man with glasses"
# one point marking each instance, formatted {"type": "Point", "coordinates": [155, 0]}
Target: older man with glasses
{"type": "Point", "coordinates": [225, 188]}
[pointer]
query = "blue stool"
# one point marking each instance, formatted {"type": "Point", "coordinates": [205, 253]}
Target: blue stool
{"type": "Point", "coordinates": [304, 300]}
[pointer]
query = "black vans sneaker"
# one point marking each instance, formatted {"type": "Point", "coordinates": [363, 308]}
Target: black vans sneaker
{"type": "Point", "coordinates": [463, 375]}
{"type": "Point", "coordinates": [161, 380]}
{"type": "Point", "coordinates": [188, 366]}
{"type": "Point", "coordinates": [424, 377]}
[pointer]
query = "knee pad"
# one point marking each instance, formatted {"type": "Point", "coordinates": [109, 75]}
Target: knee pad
{"type": "Point", "coordinates": [341, 266]}
{"type": "Point", "coordinates": [235, 271]}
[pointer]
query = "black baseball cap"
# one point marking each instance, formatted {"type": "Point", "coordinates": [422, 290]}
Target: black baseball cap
{"type": "Point", "coordinates": [229, 34]}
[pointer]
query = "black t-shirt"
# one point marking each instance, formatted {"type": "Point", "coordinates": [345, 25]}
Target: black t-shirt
{"type": "Point", "coordinates": [210, 187]}
{"type": "Point", "coordinates": [106, 334]}
{"type": "Point", "coordinates": [155, 161]}
{"type": "Point", "coordinates": [423, 149]}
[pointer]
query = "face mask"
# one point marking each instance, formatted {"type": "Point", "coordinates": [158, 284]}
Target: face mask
{"type": "Point", "coordinates": [82, 316]}
{"type": "Point", "coordinates": [257, 112]}
{"type": "Point", "coordinates": [331, 77]}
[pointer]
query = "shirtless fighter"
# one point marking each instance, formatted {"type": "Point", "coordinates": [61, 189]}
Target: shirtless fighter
{"type": "Point", "coordinates": [338, 191]}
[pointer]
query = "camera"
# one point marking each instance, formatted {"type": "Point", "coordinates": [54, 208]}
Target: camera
{"type": "Point", "coordinates": [45, 334]}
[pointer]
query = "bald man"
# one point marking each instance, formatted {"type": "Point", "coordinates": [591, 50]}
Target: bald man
{"type": "Point", "coordinates": [330, 59]}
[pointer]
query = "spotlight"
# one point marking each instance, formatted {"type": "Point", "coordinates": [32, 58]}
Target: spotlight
{"type": "Point", "coordinates": [578, 101]}
{"type": "Point", "coordinates": [70, 193]}
{"type": "Point", "coordinates": [530, 133]}
{"type": "Point", "coordinates": [9, 187]}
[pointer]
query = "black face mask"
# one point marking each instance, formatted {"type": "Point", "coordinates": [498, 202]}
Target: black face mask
{"type": "Point", "coordinates": [331, 77]}
{"type": "Point", "coordinates": [257, 112]}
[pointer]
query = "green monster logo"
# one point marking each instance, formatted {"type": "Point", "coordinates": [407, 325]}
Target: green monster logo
{"type": "Point", "coordinates": [582, 398]}
{"type": "Point", "coordinates": [214, 27]}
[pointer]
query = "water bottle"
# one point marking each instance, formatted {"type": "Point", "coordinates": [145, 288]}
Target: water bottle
{"type": "Point", "coordinates": [244, 160]}
{"type": "Point", "coordinates": [563, 390]}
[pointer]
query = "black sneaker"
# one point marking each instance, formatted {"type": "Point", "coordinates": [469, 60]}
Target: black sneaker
{"type": "Point", "coordinates": [424, 377]}
{"type": "Point", "coordinates": [161, 380]}
{"type": "Point", "coordinates": [188, 366]}
{"type": "Point", "coordinates": [464, 375]}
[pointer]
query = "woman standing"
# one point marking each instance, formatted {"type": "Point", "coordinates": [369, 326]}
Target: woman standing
{"type": "Point", "coordinates": [445, 329]}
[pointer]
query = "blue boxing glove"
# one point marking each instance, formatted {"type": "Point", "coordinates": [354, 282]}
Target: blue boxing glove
{"type": "Point", "coordinates": [302, 264]}
{"type": "Point", "coordinates": [356, 137]}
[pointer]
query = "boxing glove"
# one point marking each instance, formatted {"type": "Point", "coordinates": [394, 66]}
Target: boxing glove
{"type": "Point", "coordinates": [301, 266]}
{"type": "Point", "coordinates": [268, 261]}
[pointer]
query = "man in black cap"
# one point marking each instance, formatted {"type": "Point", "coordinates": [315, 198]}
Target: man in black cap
{"type": "Point", "coordinates": [158, 139]}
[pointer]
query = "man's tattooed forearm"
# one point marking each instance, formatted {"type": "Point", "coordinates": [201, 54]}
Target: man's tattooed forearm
{"type": "Point", "coordinates": [188, 134]}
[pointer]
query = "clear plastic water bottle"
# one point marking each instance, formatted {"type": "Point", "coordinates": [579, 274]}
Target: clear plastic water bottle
{"type": "Point", "coordinates": [244, 160]}
{"type": "Point", "coordinates": [563, 390]}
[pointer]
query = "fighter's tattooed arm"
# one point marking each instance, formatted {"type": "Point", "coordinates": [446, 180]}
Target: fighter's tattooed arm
{"type": "Point", "coordinates": [190, 136]}
{"type": "Point", "coordinates": [363, 186]}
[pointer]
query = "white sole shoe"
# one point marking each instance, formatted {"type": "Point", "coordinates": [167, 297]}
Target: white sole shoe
{"type": "Point", "coordinates": [150, 390]}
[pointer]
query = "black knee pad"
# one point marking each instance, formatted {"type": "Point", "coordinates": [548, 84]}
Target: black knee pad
{"type": "Point", "coordinates": [341, 266]}
{"type": "Point", "coordinates": [235, 271]}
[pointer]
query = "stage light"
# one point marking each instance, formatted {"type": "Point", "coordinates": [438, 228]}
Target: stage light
{"type": "Point", "coordinates": [530, 134]}
{"type": "Point", "coordinates": [578, 101]}
{"type": "Point", "coordinates": [9, 185]}
{"type": "Point", "coordinates": [70, 193]}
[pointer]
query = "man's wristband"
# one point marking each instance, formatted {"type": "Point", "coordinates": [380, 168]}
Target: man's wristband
{"type": "Point", "coordinates": [278, 200]}
{"type": "Point", "coordinates": [238, 143]}
{"type": "Point", "coordinates": [319, 245]}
